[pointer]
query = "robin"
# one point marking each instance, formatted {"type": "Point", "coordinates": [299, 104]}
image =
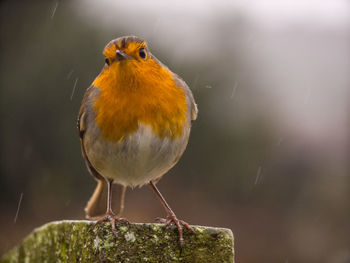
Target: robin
{"type": "Point", "coordinates": [134, 123]}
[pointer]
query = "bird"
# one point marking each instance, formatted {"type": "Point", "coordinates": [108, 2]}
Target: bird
{"type": "Point", "coordinates": [134, 124]}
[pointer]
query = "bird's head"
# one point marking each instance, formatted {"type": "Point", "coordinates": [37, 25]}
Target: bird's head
{"type": "Point", "coordinates": [127, 51]}
{"type": "Point", "coordinates": [130, 64]}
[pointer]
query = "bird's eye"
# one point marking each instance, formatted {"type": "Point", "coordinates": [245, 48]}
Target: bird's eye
{"type": "Point", "coordinates": [142, 53]}
{"type": "Point", "coordinates": [107, 61]}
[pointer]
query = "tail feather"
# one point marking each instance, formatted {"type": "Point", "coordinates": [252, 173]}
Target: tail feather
{"type": "Point", "coordinates": [97, 204]}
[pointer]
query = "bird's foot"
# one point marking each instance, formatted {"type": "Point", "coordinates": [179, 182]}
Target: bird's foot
{"type": "Point", "coordinates": [172, 219]}
{"type": "Point", "coordinates": [112, 218]}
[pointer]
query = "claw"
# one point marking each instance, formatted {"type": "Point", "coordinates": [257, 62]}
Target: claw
{"type": "Point", "coordinates": [161, 220]}
{"type": "Point", "coordinates": [172, 219]}
{"type": "Point", "coordinates": [112, 219]}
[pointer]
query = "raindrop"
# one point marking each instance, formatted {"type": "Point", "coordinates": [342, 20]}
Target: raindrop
{"type": "Point", "coordinates": [18, 207]}
{"type": "Point", "coordinates": [70, 74]}
{"type": "Point", "coordinates": [75, 84]}
{"type": "Point", "coordinates": [54, 10]}
{"type": "Point", "coordinates": [280, 141]}
{"type": "Point", "coordinates": [195, 82]}
{"type": "Point", "coordinates": [234, 90]}
{"type": "Point", "coordinates": [258, 173]}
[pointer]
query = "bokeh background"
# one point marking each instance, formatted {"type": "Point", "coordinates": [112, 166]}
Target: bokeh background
{"type": "Point", "coordinates": [268, 156]}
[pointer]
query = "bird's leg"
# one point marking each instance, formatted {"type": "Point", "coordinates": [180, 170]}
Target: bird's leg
{"type": "Point", "coordinates": [171, 218]}
{"type": "Point", "coordinates": [110, 216]}
{"type": "Point", "coordinates": [122, 199]}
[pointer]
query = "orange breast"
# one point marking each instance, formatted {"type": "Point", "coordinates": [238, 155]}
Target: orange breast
{"type": "Point", "coordinates": [133, 93]}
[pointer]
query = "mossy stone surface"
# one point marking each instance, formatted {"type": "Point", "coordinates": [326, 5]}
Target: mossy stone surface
{"type": "Point", "coordinates": [83, 241]}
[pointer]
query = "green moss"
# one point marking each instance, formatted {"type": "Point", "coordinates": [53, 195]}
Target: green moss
{"type": "Point", "coordinates": [83, 241]}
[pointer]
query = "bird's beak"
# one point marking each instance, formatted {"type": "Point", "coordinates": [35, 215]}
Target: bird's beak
{"type": "Point", "coordinates": [121, 55]}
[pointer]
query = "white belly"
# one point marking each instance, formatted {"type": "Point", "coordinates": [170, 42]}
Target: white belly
{"type": "Point", "coordinates": [138, 159]}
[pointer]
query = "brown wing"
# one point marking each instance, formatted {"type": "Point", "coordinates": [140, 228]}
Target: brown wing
{"type": "Point", "coordinates": [81, 123]}
{"type": "Point", "coordinates": [82, 126]}
{"type": "Point", "coordinates": [96, 205]}
{"type": "Point", "coordinates": [192, 104]}
{"type": "Point", "coordinates": [194, 108]}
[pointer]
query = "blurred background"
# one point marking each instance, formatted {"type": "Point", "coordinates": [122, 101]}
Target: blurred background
{"type": "Point", "coordinates": [268, 156]}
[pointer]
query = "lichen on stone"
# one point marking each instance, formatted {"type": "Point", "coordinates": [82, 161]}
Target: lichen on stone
{"type": "Point", "coordinates": [84, 241]}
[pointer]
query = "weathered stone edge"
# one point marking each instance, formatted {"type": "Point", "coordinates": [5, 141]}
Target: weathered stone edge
{"type": "Point", "coordinates": [214, 230]}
